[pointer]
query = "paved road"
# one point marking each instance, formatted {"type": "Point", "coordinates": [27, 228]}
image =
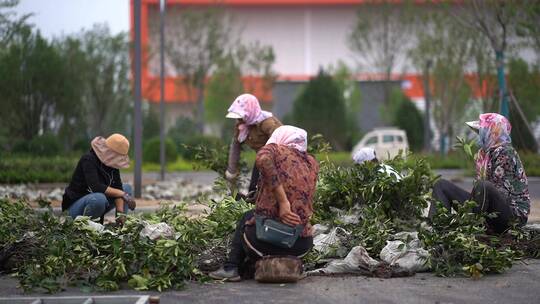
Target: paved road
{"type": "Point", "coordinates": [521, 284]}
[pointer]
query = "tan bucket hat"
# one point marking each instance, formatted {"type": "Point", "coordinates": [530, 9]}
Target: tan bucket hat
{"type": "Point", "coordinates": [113, 151]}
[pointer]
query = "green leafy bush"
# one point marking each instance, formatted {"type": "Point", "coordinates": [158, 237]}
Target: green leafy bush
{"type": "Point", "coordinates": [151, 150]}
{"type": "Point", "coordinates": [25, 169]}
{"type": "Point", "coordinates": [43, 145]}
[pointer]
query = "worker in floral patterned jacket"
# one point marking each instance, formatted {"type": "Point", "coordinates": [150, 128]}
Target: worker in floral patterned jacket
{"type": "Point", "coordinates": [96, 186]}
{"type": "Point", "coordinates": [285, 195]}
{"type": "Point", "coordinates": [501, 185]}
{"type": "Point", "coordinates": [253, 127]}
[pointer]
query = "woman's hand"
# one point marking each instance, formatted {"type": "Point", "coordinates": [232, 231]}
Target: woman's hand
{"type": "Point", "coordinates": [287, 216]}
{"type": "Point", "coordinates": [129, 201]}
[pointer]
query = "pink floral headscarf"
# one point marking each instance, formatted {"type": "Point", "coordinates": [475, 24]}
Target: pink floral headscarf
{"type": "Point", "coordinates": [289, 136]}
{"type": "Point", "coordinates": [494, 131]}
{"type": "Point", "coordinates": [247, 106]}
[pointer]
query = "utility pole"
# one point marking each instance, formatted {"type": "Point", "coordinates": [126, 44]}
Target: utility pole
{"type": "Point", "coordinates": [137, 91]}
{"type": "Point", "coordinates": [162, 160]}
{"type": "Point", "coordinates": [505, 109]}
{"type": "Point", "coordinates": [427, 101]}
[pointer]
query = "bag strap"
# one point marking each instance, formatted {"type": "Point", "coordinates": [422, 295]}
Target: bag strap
{"type": "Point", "coordinates": [251, 246]}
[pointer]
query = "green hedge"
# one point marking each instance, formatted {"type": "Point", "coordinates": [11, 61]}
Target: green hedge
{"type": "Point", "coordinates": [25, 169]}
{"type": "Point", "coordinates": [19, 169]}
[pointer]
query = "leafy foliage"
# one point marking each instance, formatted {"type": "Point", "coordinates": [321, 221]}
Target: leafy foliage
{"type": "Point", "coordinates": [151, 150]}
{"type": "Point", "coordinates": [320, 108]}
{"type": "Point", "coordinates": [384, 204]}
{"type": "Point", "coordinates": [365, 184]}
{"type": "Point", "coordinates": [42, 145]}
{"type": "Point", "coordinates": [16, 169]}
{"type": "Point", "coordinates": [56, 252]}
{"type": "Point", "coordinates": [523, 81]}
{"type": "Point", "coordinates": [32, 84]}
{"type": "Point", "coordinates": [409, 118]}
{"type": "Point", "coordinates": [458, 244]}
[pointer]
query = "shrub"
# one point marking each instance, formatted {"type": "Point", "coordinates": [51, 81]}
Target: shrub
{"type": "Point", "coordinates": [151, 150]}
{"type": "Point", "coordinates": [24, 169]}
{"type": "Point", "coordinates": [43, 145]}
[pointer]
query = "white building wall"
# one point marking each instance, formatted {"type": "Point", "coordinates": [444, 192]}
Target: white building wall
{"type": "Point", "coordinates": [304, 38]}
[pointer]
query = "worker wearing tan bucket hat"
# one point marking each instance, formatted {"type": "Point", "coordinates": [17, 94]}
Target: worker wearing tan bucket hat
{"type": "Point", "coordinates": [96, 186]}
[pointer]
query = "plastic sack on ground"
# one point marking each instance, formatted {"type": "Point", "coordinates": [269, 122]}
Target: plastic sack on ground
{"type": "Point", "coordinates": [330, 244]}
{"type": "Point", "coordinates": [357, 261]}
{"type": "Point", "coordinates": [157, 231]}
{"type": "Point", "coordinates": [319, 228]}
{"type": "Point", "coordinates": [406, 252]}
{"type": "Point", "coordinates": [347, 217]}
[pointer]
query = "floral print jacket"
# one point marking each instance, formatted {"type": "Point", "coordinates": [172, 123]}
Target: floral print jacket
{"type": "Point", "coordinates": [296, 171]}
{"type": "Point", "coordinates": [506, 172]}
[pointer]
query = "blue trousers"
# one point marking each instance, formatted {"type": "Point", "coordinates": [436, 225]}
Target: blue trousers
{"type": "Point", "coordinates": [96, 205]}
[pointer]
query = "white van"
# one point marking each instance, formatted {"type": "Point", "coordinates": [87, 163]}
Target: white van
{"type": "Point", "coordinates": [387, 142]}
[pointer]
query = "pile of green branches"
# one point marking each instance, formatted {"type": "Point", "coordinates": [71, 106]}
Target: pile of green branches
{"type": "Point", "coordinates": [50, 253]}
{"type": "Point", "coordinates": [384, 204]}
{"type": "Point", "coordinates": [458, 242]}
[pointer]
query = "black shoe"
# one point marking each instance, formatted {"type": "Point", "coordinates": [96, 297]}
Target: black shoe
{"type": "Point", "coordinates": [226, 275]}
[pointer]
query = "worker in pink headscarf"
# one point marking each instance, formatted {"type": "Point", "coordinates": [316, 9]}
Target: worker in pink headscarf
{"type": "Point", "coordinates": [285, 195]}
{"type": "Point", "coordinates": [501, 185]}
{"type": "Point", "coordinates": [253, 128]}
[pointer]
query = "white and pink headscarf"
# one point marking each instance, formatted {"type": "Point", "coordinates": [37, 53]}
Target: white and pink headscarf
{"type": "Point", "coordinates": [247, 107]}
{"type": "Point", "coordinates": [289, 136]}
{"type": "Point", "coordinates": [494, 131]}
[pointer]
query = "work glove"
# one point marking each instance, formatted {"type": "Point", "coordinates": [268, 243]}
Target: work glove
{"type": "Point", "coordinates": [120, 219]}
{"type": "Point", "coordinates": [230, 177]}
{"type": "Point", "coordinates": [129, 201]}
{"type": "Point", "coordinates": [248, 198]}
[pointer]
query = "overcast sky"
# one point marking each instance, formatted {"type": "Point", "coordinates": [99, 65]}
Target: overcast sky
{"type": "Point", "coordinates": [57, 17]}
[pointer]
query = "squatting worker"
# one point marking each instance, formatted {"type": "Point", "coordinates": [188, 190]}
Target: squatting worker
{"type": "Point", "coordinates": [253, 127]}
{"type": "Point", "coordinates": [286, 189]}
{"type": "Point", "coordinates": [96, 186]}
{"type": "Point", "coordinates": [368, 154]}
{"type": "Point", "coordinates": [501, 185]}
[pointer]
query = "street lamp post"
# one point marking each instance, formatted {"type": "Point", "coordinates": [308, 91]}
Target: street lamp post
{"type": "Point", "coordinates": [162, 160]}
{"type": "Point", "coordinates": [137, 93]}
